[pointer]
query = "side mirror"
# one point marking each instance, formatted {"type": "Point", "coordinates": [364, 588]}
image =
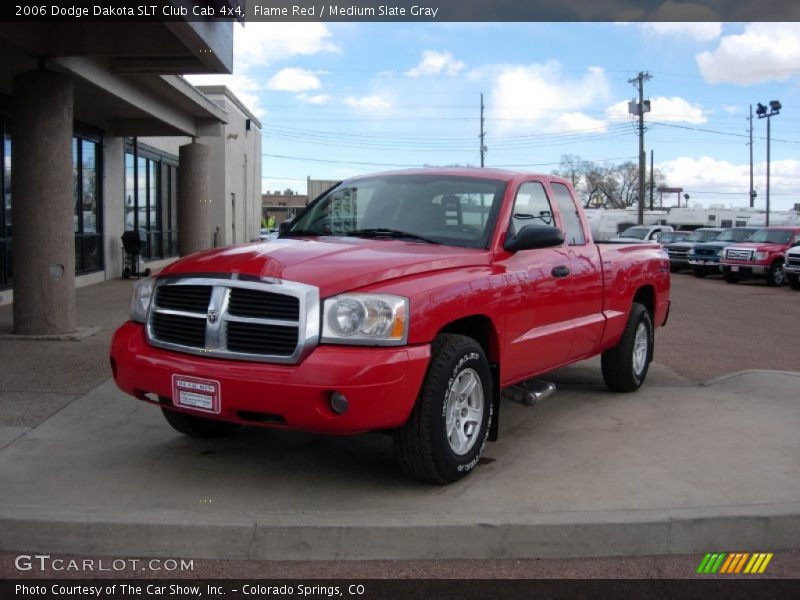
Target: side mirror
{"type": "Point", "coordinates": [533, 236]}
{"type": "Point", "coordinates": [284, 227]}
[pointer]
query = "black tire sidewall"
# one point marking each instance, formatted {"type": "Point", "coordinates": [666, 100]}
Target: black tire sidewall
{"type": "Point", "coordinates": [644, 317]}
{"type": "Point", "coordinates": [449, 464]}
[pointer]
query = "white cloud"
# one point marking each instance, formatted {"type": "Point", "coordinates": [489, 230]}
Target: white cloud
{"type": "Point", "coordinates": [436, 63]}
{"type": "Point", "coordinates": [368, 103]}
{"type": "Point", "coordinates": [576, 122]}
{"type": "Point", "coordinates": [762, 52]}
{"type": "Point", "coordinates": [732, 109]}
{"type": "Point", "coordinates": [258, 44]}
{"type": "Point", "coordinates": [700, 32]}
{"type": "Point", "coordinates": [542, 96]}
{"type": "Point", "coordinates": [316, 99]}
{"type": "Point", "coordinates": [674, 109]}
{"type": "Point", "coordinates": [708, 175]}
{"type": "Point", "coordinates": [293, 79]}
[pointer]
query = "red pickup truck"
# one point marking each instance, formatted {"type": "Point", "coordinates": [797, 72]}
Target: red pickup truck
{"type": "Point", "coordinates": [762, 256]}
{"type": "Point", "coordinates": [401, 301]}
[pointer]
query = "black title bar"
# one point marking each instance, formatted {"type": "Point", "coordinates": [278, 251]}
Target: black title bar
{"type": "Point", "coordinates": [401, 10]}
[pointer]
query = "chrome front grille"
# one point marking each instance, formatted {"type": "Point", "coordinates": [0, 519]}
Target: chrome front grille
{"type": "Point", "coordinates": [793, 261]}
{"type": "Point", "coordinates": [266, 321]}
{"type": "Point", "coordinates": [736, 254]}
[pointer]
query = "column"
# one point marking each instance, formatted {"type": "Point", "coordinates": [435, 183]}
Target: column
{"type": "Point", "coordinates": [42, 209]}
{"type": "Point", "coordinates": [194, 204]}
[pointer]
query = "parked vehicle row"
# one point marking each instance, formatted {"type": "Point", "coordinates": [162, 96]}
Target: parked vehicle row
{"type": "Point", "coordinates": [739, 253]}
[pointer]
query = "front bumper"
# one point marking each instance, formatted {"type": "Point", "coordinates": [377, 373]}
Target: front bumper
{"type": "Point", "coordinates": [380, 383]}
{"type": "Point", "coordinates": [791, 269]}
{"type": "Point", "coordinates": [744, 269]}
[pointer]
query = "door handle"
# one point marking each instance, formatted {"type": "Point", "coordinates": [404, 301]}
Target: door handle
{"type": "Point", "coordinates": [560, 271]}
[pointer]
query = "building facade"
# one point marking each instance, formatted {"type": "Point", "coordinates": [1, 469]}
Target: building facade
{"type": "Point", "coordinates": [101, 135]}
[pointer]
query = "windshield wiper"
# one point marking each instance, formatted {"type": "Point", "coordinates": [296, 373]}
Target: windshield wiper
{"type": "Point", "coordinates": [389, 233]}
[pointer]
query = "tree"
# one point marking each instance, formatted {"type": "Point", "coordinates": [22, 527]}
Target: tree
{"type": "Point", "coordinates": [600, 186]}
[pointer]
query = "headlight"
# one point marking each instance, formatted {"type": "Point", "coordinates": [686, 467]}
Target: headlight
{"type": "Point", "coordinates": [721, 251]}
{"type": "Point", "coordinates": [140, 301]}
{"type": "Point", "coordinates": [365, 319]}
{"type": "Point", "coordinates": [760, 256]}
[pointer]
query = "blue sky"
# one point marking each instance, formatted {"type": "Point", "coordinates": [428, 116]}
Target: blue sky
{"type": "Point", "coordinates": [339, 99]}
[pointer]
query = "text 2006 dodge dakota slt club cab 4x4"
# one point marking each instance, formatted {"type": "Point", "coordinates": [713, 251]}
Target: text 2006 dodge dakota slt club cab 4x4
{"type": "Point", "coordinates": [400, 301]}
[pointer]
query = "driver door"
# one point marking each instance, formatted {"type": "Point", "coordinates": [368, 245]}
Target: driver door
{"type": "Point", "coordinates": [539, 331]}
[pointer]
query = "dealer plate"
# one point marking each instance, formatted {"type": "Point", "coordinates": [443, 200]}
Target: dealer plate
{"type": "Point", "coordinates": [734, 268]}
{"type": "Point", "coordinates": [196, 393]}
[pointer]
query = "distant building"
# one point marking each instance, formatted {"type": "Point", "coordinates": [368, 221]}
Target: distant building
{"type": "Point", "coordinates": [282, 205]}
{"type": "Point", "coordinates": [316, 187]}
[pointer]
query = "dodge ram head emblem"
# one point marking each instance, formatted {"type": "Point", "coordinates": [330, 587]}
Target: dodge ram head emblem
{"type": "Point", "coordinates": [213, 316]}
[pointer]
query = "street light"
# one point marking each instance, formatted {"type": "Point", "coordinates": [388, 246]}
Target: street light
{"type": "Point", "coordinates": [774, 109]}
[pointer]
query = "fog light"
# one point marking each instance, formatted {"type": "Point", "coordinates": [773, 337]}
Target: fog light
{"type": "Point", "coordinates": [339, 403]}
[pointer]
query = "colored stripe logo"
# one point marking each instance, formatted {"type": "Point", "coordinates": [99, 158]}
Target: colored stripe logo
{"type": "Point", "coordinates": [734, 563]}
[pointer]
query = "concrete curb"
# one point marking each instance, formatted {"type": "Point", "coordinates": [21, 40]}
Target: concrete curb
{"type": "Point", "coordinates": [317, 537]}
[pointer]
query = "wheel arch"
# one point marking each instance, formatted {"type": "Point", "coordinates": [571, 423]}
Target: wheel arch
{"type": "Point", "coordinates": [646, 296]}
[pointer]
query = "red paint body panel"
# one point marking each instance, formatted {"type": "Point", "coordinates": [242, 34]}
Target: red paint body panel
{"type": "Point", "coordinates": [537, 322]}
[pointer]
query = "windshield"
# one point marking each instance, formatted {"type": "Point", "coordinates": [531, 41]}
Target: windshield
{"type": "Point", "coordinates": [672, 236]}
{"type": "Point", "coordinates": [771, 236]}
{"type": "Point", "coordinates": [734, 235]}
{"type": "Point", "coordinates": [451, 210]}
{"type": "Point", "coordinates": [635, 232]}
{"type": "Point", "coordinates": [702, 236]}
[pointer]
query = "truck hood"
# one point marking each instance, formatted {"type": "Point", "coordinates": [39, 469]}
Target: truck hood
{"type": "Point", "coordinates": [334, 264]}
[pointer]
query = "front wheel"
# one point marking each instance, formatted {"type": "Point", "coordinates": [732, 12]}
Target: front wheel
{"type": "Point", "coordinates": [775, 276]}
{"type": "Point", "coordinates": [625, 365]}
{"type": "Point", "coordinates": [730, 277]}
{"type": "Point", "coordinates": [699, 272]}
{"type": "Point", "coordinates": [794, 281]}
{"type": "Point", "coordinates": [446, 433]}
{"type": "Point", "coordinates": [198, 427]}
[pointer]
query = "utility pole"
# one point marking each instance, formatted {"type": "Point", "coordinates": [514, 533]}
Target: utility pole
{"type": "Point", "coordinates": [638, 81]}
{"type": "Point", "coordinates": [652, 179]}
{"type": "Point", "coordinates": [752, 191]}
{"type": "Point", "coordinates": [483, 134]}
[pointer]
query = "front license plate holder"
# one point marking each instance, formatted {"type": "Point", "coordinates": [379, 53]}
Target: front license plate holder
{"type": "Point", "coordinates": [734, 268]}
{"type": "Point", "coordinates": [197, 393]}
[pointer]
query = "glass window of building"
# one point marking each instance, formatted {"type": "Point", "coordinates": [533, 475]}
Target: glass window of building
{"type": "Point", "coordinates": [5, 205]}
{"type": "Point", "coordinates": [87, 201]}
{"type": "Point", "coordinates": [151, 198]}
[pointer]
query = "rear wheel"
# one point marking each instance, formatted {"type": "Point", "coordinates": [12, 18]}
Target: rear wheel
{"type": "Point", "coordinates": [198, 427]}
{"type": "Point", "coordinates": [775, 275]}
{"type": "Point", "coordinates": [625, 365]}
{"type": "Point", "coordinates": [445, 435]}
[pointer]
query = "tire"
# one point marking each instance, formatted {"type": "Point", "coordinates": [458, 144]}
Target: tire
{"type": "Point", "coordinates": [198, 427]}
{"type": "Point", "coordinates": [730, 277]}
{"type": "Point", "coordinates": [775, 274]}
{"type": "Point", "coordinates": [424, 449]}
{"type": "Point", "coordinates": [699, 273]}
{"type": "Point", "coordinates": [625, 365]}
{"type": "Point", "coordinates": [794, 281]}
{"type": "Point", "coordinates": [674, 268]}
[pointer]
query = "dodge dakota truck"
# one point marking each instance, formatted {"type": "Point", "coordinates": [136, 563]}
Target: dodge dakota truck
{"type": "Point", "coordinates": [762, 256]}
{"type": "Point", "coordinates": [400, 302]}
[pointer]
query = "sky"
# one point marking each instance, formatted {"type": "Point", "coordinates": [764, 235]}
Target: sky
{"type": "Point", "coordinates": [342, 99]}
